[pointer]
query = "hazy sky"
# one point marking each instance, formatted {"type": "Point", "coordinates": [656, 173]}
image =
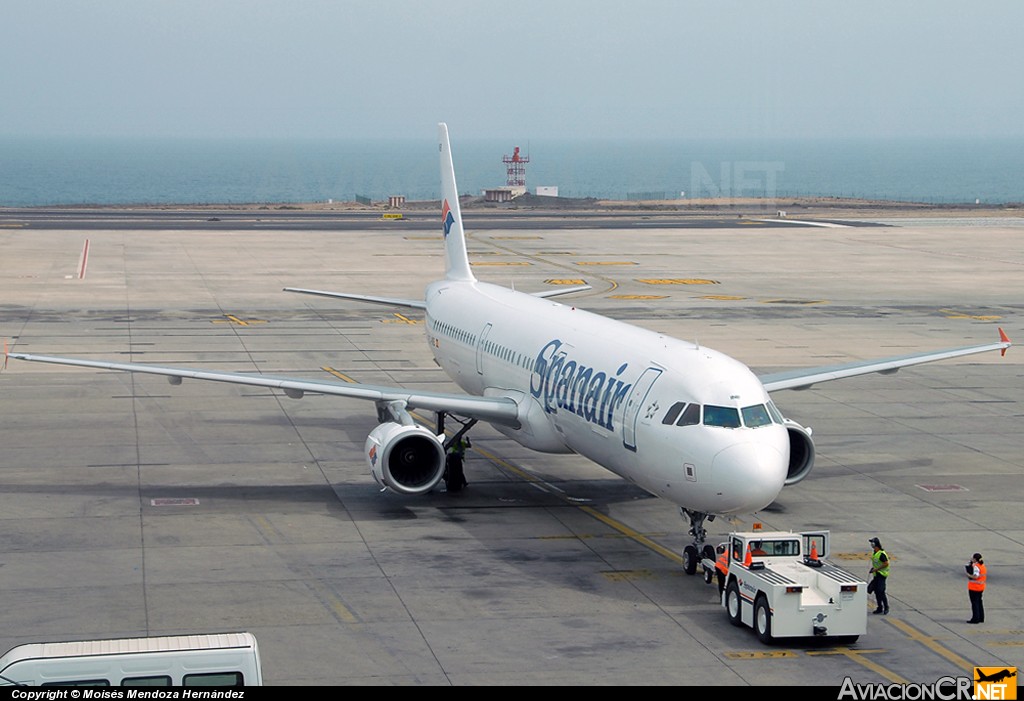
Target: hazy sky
{"type": "Point", "coordinates": [524, 68]}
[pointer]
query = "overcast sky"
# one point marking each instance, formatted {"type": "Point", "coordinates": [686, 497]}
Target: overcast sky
{"type": "Point", "coordinates": [522, 68]}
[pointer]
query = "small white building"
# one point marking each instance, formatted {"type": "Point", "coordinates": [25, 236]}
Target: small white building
{"type": "Point", "coordinates": [547, 190]}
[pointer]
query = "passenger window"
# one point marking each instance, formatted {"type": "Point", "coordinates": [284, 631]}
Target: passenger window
{"type": "Point", "coordinates": [673, 413]}
{"type": "Point", "coordinates": [724, 416]}
{"type": "Point", "coordinates": [146, 681]}
{"type": "Point", "coordinates": [755, 416]}
{"type": "Point", "coordinates": [690, 417]}
{"type": "Point", "coordinates": [214, 679]}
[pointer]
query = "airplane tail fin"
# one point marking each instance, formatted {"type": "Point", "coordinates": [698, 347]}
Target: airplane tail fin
{"type": "Point", "coordinates": [456, 260]}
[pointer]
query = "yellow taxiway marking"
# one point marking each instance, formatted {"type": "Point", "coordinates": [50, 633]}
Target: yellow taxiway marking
{"type": "Point", "coordinates": [637, 297]}
{"type": "Point", "coordinates": [323, 591]}
{"type": "Point", "coordinates": [232, 319]}
{"type": "Point", "coordinates": [340, 375]}
{"type": "Point", "coordinates": [567, 281]}
{"type": "Point", "coordinates": [723, 298]}
{"type": "Point", "coordinates": [627, 575]}
{"type": "Point", "coordinates": [860, 657]}
{"type": "Point", "coordinates": [953, 314]}
{"type": "Point", "coordinates": [677, 281]}
{"type": "Point", "coordinates": [755, 655]}
{"type": "Point", "coordinates": [793, 301]}
{"type": "Point", "coordinates": [931, 643]}
{"type": "Point", "coordinates": [401, 320]}
{"type": "Point", "coordinates": [494, 263]}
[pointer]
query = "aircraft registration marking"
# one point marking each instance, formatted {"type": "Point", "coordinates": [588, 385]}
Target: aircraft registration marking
{"type": "Point", "coordinates": [678, 281]}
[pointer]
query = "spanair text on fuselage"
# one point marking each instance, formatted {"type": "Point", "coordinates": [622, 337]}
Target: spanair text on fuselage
{"type": "Point", "coordinates": [601, 388]}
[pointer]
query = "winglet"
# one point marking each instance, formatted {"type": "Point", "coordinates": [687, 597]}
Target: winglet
{"type": "Point", "coordinates": [456, 260]}
{"type": "Point", "coordinates": [1004, 339]}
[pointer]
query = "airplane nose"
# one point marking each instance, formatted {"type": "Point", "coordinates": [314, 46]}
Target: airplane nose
{"type": "Point", "coordinates": [748, 476]}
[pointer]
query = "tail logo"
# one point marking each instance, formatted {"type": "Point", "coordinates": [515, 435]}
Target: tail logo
{"type": "Point", "coordinates": [447, 218]}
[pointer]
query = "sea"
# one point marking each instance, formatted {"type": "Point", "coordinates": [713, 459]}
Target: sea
{"type": "Point", "coordinates": [137, 171]}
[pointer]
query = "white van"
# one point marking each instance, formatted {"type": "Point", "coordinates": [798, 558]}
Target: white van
{"type": "Point", "coordinates": [223, 659]}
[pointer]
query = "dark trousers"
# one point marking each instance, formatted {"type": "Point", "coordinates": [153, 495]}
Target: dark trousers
{"type": "Point", "coordinates": [977, 608]}
{"type": "Point", "coordinates": [879, 584]}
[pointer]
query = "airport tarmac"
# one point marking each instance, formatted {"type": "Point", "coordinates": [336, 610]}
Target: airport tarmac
{"type": "Point", "coordinates": [131, 507]}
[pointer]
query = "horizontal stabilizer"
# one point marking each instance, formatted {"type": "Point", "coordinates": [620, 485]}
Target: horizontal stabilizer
{"type": "Point", "coordinates": [556, 293]}
{"type": "Point", "coordinates": [391, 301]}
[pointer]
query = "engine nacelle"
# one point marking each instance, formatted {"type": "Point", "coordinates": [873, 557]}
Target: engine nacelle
{"type": "Point", "coordinates": [801, 452]}
{"type": "Point", "coordinates": [405, 459]}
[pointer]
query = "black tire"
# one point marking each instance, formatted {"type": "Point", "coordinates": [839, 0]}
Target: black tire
{"type": "Point", "coordinates": [690, 559]}
{"type": "Point", "coordinates": [733, 603]}
{"type": "Point", "coordinates": [763, 620]}
{"type": "Point", "coordinates": [708, 553]}
{"type": "Point", "coordinates": [709, 575]}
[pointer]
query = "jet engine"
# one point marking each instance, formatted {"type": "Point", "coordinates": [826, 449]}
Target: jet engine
{"type": "Point", "coordinates": [801, 452]}
{"type": "Point", "coordinates": [407, 459]}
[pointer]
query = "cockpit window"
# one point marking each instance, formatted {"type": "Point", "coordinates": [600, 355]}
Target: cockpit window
{"type": "Point", "coordinates": [724, 416]}
{"type": "Point", "coordinates": [755, 416]}
{"type": "Point", "coordinates": [690, 417]}
{"type": "Point", "coordinates": [776, 414]}
{"type": "Point", "coordinates": [673, 413]}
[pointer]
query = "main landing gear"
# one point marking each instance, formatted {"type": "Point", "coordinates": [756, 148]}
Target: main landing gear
{"type": "Point", "coordinates": [455, 450]}
{"type": "Point", "coordinates": [693, 554]}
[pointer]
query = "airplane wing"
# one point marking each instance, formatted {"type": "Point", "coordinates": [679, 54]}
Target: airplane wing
{"type": "Point", "coordinates": [501, 410]}
{"type": "Point", "coordinates": [804, 378]}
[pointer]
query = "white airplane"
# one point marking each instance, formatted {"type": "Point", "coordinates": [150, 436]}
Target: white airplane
{"type": "Point", "coordinates": [682, 421]}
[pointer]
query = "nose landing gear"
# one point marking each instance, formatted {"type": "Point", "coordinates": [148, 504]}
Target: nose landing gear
{"type": "Point", "coordinates": [693, 554]}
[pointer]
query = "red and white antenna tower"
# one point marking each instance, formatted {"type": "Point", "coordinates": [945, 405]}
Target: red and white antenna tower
{"type": "Point", "coordinates": [515, 167]}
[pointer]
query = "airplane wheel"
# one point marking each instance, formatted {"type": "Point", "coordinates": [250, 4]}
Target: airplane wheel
{"type": "Point", "coordinates": [708, 553]}
{"type": "Point", "coordinates": [732, 603]}
{"type": "Point", "coordinates": [690, 559]}
{"type": "Point", "coordinates": [763, 620]}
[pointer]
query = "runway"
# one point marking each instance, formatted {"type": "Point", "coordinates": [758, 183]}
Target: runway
{"type": "Point", "coordinates": [131, 507]}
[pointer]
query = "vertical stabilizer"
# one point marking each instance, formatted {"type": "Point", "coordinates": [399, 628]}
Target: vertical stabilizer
{"type": "Point", "coordinates": [456, 260]}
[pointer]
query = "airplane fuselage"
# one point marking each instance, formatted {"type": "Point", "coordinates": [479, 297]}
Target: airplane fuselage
{"type": "Point", "coordinates": [682, 421]}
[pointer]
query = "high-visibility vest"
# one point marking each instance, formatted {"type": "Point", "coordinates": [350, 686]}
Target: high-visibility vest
{"type": "Point", "coordinates": [723, 563]}
{"type": "Point", "coordinates": [876, 562]}
{"type": "Point", "coordinates": [979, 583]}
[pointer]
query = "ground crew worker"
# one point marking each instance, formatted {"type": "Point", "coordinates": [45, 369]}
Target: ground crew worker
{"type": "Point", "coordinates": [721, 568]}
{"type": "Point", "coordinates": [880, 570]}
{"type": "Point", "coordinates": [454, 475]}
{"type": "Point", "coordinates": [976, 576]}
